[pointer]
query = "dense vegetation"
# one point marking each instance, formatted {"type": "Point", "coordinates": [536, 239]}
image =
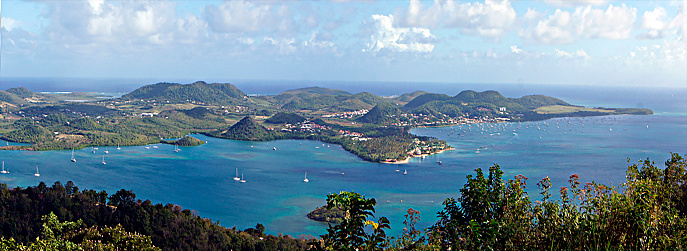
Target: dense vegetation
{"type": "Point", "coordinates": [247, 129]}
{"type": "Point", "coordinates": [185, 141]}
{"type": "Point", "coordinates": [196, 92]}
{"type": "Point", "coordinates": [647, 212]}
{"type": "Point", "coordinates": [322, 214]}
{"type": "Point", "coordinates": [285, 118]}
{"type": "Point", "coordinates": [88, 213]}
{"type": "Point", "coordinates": [383, 113]}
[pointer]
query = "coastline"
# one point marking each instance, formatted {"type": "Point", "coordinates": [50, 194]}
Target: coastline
{"type": "Point", "coordinates": [406, 160]}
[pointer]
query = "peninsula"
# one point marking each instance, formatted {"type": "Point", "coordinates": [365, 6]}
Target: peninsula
{"type": "Point", "coordinates": [374, 128]}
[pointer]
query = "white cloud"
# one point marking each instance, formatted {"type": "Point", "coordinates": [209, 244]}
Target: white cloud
{"type": "Point", "coordinates": [654, 21]}
{"type": "Point", "coordinates": [579, 54]}
{"type": "Point", "coordinates": [680, 22]}
{"type": "Point", "coordinates": [244, 16]}
{"type": "Point", "coordinates": [515, 49]}
{"type": "Point", "coordinates": [573, 3]}
{"type": "Point", "coordinates": [96, 5]}
{"type": "Point", "coordinates": [387, 37]}
{"type": "Point", "coordinates": [564, 27]}
{"type": "Point", "coordinates": [285, 46]}
{"type": "Point", "coordinates": [238, 16]}
{"type": "Point", "coordinates": [669, 54]}
{"type": "Point", "coordinates": [9, 23]}
{"type": "Point", "coordinates": [490, 19]}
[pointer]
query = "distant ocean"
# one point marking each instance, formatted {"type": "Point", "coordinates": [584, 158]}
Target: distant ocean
{"type": "Point", "coordinates": [200, 178]}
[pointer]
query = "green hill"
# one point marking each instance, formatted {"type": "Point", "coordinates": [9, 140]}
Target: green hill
{"type": "Point", "coordinates": [195, 92]}
{"type": "Point", "coordinates": [11, 98]}
{"type": "Point", "coordinates": [536, 101]}
{"type": "Point", "coordinates": [317, 90]}
{"type": "Point", "coordinates": [21, 92]}
{"type": "Point", "coordinates": [380, 114]}
{"type": "Point", "coordinates": [285, 118]}
{"type": "Point", "coordinates": [407, 97]}
{"type": "Point", "coordinates": [248, 129]}
{"type": "Point", "coordinates": [427, 97]}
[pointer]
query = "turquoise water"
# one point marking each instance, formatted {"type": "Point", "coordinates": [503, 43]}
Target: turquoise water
{"type": "Point", "coordinates": [200, 178]}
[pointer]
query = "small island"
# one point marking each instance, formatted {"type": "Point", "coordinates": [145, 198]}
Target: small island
{"type": "Point", "coordinates": [373, 128]}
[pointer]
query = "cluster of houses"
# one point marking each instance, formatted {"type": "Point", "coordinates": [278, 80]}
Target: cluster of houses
{"type": "Point", "coordinates": [305, 126]}
{"type": "Point", "coordinates": [346, 114]}
{"type": "Point", "coordinates": [421, 147]}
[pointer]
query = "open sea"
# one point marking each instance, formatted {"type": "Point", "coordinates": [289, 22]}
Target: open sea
{"type": "Point", "coordinates": [200, 178]}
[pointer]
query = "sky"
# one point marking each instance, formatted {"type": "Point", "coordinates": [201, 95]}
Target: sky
{"type": "Point", "coordinates": [571, 42]}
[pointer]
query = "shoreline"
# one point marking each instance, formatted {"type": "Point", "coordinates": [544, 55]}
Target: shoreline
{"type": "Point", "coordinates": [407, 160]}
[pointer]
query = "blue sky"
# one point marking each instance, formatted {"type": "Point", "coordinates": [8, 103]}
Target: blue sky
{"type": "Point", "coordinates": [579, 42]}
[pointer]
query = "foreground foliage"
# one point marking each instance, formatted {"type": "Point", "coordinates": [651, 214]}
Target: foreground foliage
{"type": "Point", "coordinates": [647, 212]}
{"type": "Point", "coordinates": [169, 227]}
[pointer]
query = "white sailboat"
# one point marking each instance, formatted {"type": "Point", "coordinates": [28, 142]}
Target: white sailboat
{"type": "Point", "coordinates": [73, 159]}
{"type": "Point", "coordinates": [405, 171]}
{"type": "Point", "coordinates": [236, 178]}
{"type": "Point", "coordinates": [106, 151]}
{"type": "Point", "coordinates": [3, 168]}
{"type": "Point", "coordinates": [37, 174]}
{"type": "Point", "coordinates": [176, 150]}
{"type": "Point", "coordinates": [306, 178]}
{"type": "Point", "coordinates": [118, 148]}
{"type": "Point", "coordinates": [93, 149]}
{"type": "Point", "coordinates": [242, 180]}
{"type": "Point", "coordinates": [104, 163]}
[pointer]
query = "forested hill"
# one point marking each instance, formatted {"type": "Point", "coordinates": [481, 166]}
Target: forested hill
{"type": "Point", "coordinates": [182, 93]}
{"type": "Point", "coordinates": [169, 226]}
{"type": "Point", "coordinates": [247, 129]}
{"type": "Point", "coordinates": [21, 96]}
{"type": "Point", "coordinates": [318, 98]}
{"type": "Point", "coordinates": [487, 103]}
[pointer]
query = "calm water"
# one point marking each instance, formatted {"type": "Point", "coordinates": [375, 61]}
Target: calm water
{"type": "Point", "coordinates": [200, 178]}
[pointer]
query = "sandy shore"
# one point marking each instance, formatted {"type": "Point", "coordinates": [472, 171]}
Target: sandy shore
{"type": "Point", "coordinates": [405, 161]}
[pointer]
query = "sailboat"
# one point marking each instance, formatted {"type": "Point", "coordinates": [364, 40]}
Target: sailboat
{"type": "Point", "coordinates": [236, 178]}
{"type": "Point", "coordinates": [176, 150]}
{"type": "Point", "coordinates": [104, 160]}
{"type": "Point", "coordinates": [93, 149]}
{"type": "Point", "coordinates": [3, 168]}
{"type": "Point", "coordinates": [306, 178]}
{"type": "Point", "coordinates": [106, 151]}
{"type": "Point", "coordinates": [118, 148]}
{"type": "Point", "coordinates": [37, 174]}
{"type": "Point", "coordinates": [405, 171]}
{"type": "Point", "coordinates": [242, 180]}
{"type": "Point", "coordinates": [73, 159]}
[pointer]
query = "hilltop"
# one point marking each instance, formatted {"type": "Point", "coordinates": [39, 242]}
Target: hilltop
{"type": "Point", "coordinates": [246, 129]}
{"type": "Point", "coordinates": [199, 92]}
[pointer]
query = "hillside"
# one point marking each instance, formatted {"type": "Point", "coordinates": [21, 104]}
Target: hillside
{"type": "Point", "coordinates": [380, 114]}
{"type": "Point", "coordinates": [285, 118]}
{"type": "Point", "coordinates": [181, 93]}
{"type": "Point", "coordinates": [247, 129]}
{"type": "Point", "coordinates": [407, 97]}
{"type": "Point", "coordinates": [318, 98]}
{"type": "Point", "coordinates": [317, 90]}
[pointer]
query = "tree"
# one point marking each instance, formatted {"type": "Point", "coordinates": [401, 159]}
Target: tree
{"type": "Point", "coordinates": [350, 234]}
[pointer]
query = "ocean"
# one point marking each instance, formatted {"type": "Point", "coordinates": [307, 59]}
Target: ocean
{"type": "Point", "coordinates": [200, 178]}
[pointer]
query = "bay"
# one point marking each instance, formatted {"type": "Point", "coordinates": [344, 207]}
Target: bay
{"type": "Point", "coordinates": [201, 178]}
